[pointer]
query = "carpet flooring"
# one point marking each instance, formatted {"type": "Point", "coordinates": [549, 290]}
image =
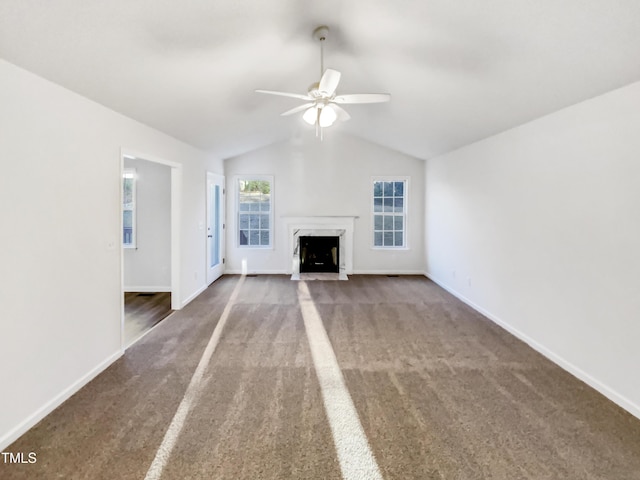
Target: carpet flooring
{"type": "Point", "coordinates": [440, 391]}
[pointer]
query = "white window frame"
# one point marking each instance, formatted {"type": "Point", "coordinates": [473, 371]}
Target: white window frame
{"type": "Point", "coordinates": [404, 214]}
{"type": "Point", "coordinates": [249, 178]}
{"type": "Point", "coordinates": [130, 173]}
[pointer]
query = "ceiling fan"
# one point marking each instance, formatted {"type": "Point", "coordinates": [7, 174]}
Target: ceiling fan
{"type": "Point", "coordinates": [323, 104]}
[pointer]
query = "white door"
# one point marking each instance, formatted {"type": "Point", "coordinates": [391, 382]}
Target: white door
{"type": "Point", "coordinates": [215, 226]}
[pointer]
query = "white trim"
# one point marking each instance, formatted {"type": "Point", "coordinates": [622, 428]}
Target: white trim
{"type": "Point", "coordinates": [343, 226]}
{"type": "Point", "coordinates": [213, 273]}
{"type": "Point", "coordinates": [257, 272]}
{"type": "Point", "coordinates": [56, 401]}
{"type": "Point", "coordinates": [193, 296]}
{"type": "Point", "coordinates": [146, 332]}
{"type": "Point", "coordinates": [577, 372]}
{"type": "Point", "coordinates": [388, 272]}
{"type": "Point", "coordinates": [342, 235]}
{"type": "Point", "coordinates": [405, 212]}
{"type": "Point", "coordinates": [236, 193]}
{"type": "Point", "coordinates": [176, 222]}
{"type": "Point", "coordinates": [146, 288]}
{"type": "Point", "coordinates": [136, 155]}
{"type": "Point", "coordinates": [121, 251]}
{"type": "Point", "coordinates": [354, 272]}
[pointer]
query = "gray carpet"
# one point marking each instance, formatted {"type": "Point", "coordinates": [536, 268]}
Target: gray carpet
{"type": "Point", "coordinates": [441, 392]}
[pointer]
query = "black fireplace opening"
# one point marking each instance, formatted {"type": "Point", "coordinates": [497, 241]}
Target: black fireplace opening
{"type": "Point", "coordinates": [320, 254]}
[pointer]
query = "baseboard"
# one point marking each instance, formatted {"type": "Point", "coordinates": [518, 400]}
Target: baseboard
{"type": "Point", "coordinates": [54, 403]}
{"type": "Point", "coordinates": [577, 372]}
{"type": "Point", "coordinates": [146, 289]}
{"type": "Point", "coordinates": [192, 297]}
{"type": "Point", "coordinates": [354, 272]}
{"type": "Point", "coordinates": [257, 272]}
{"type": "Point", "coordinates": [387, 272]}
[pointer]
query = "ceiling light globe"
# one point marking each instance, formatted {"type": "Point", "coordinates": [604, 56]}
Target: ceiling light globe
{"type": "Point", "coordinates": [327, 116]}
{"type": "Point", "coordinates": [310, 116]}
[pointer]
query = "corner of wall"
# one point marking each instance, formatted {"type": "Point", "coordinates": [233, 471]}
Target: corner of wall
{"type": "Point", "coordinates": [15, 433]}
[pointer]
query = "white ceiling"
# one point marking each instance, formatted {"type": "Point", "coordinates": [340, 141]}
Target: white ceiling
{"type": "Point", "coordinates": [458, 71]}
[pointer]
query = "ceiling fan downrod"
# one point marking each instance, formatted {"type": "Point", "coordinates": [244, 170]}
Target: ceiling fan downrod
{"type": "Point", "coordinates": [321, 34]}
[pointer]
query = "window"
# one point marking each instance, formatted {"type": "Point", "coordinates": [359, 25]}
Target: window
{"type": "Point", "coordinates": [389, 213]}
{"type": "Point", "coordinates": [129, 208]}
{"type": "Point", "coordinates": [255, 212]}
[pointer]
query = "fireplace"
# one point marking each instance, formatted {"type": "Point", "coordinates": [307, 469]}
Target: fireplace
{"type": "Point", "coordinates": [339, 227]}
{"type": "Point", "coordinates": [320, 254]}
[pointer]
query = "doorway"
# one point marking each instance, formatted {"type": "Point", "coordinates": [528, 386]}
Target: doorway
{"type": "Point", "coordinates": [215, 226]}
{"type": "Point", "coordinates": [150, 243]}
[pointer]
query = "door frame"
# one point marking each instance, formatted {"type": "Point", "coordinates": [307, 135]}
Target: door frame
{"type": "Point", "coordinates": [176, 202]}
{"type": "Point", "coordinates": [215, 179]}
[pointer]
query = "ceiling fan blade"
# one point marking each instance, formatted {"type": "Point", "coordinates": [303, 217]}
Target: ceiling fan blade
{"type": "Point", "coordinates": [363, 98]}
{"type": "Point", "coordinates": [297, 109]}
{"type": "Point", "coordinates": [329, 82]}
{"type": "Point", "coordinates": [342, 113]}
{"type": "Point", "coordinates": [286, 94]}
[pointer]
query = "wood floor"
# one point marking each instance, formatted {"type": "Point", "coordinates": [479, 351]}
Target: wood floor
{"type": "Point", "coordinates": [142, 311]}
{"type": "Point", "coordinates": [440, 393]}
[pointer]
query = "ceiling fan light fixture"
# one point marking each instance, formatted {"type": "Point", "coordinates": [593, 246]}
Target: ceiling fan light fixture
{"type": "Point", "coordinates": [310, 115]}
{"type": "Point", "coordinates": [327, 116]}
{"type": "Point", "coordinates": [323, 105]}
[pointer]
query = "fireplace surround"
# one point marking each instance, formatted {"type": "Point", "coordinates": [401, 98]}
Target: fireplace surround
{"type": "Point", "coordinates": [322, 226]}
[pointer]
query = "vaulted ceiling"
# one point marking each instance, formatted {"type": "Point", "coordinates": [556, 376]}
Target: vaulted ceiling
{"type": "Point", "coordinates": [458, 71]}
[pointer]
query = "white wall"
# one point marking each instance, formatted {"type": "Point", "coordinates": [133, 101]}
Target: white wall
{"type": "Point", "coordinates": [147, 268]}
{"type": "Point", "coordinates": [60, 286]}
{"type": "Point", "coordinates": [331, 178]}
{"type": "Point", "coordinates": [544, 219]}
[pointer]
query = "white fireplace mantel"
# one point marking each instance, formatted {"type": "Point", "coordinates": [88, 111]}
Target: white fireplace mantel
{"type": "Point", "coordinates": [322, 225]}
